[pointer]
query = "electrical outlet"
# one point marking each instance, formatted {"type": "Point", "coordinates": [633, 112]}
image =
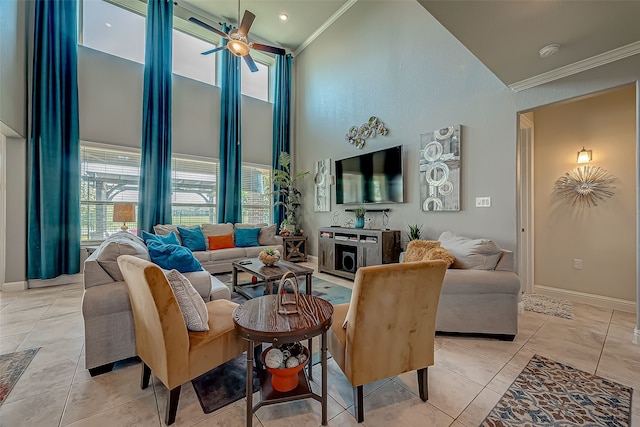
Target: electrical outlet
{"type": "Point", "coordinates": [483, 202]}
{"type": "Point", "coordinates": [577, 264]}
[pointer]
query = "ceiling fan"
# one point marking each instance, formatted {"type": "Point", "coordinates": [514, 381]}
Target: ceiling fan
{"type": "Point", "coordinates": [237, 41]}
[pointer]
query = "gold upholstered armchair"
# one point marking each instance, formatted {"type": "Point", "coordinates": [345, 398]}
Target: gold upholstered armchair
{"type": "Point", "coordinates": [174, 354]}
{"type": "Point", "coordinates": [388, 327]}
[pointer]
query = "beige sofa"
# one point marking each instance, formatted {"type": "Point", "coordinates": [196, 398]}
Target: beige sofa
{"type": "Point", "coordinates": [219, 260]}
{"type": "Point", "coordinates": [480, 292]}
{"type": "Point", "coordinates": [108, 321]}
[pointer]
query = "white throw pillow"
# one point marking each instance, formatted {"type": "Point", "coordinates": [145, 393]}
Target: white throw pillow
{"type": "Point", "coordinates": [193, 307]}
{"type": "Point", "coordinates": [471, 254]}
{"type": "Point", "coordinates": [267, 236]}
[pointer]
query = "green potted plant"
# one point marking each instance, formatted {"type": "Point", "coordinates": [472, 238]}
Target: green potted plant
{"type": "Point", "coordinates": [291, 196]}
{"type": "Point", "coordinates": [414, 232]}
{"type": "Point", "coordinates": [359, 213]}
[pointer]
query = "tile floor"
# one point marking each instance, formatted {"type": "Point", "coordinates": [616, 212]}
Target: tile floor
{"type": "Point", "coordinates": [468, 379]}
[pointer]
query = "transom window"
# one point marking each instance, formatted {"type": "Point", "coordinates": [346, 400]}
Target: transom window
{"type": "Point", "coordinates": [112, 174]}
{"type": "Point", "coordinates": [119, 30]}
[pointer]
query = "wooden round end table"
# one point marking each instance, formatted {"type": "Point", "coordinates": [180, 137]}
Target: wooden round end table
{"type": "Point", "coordinates": [258, 320]}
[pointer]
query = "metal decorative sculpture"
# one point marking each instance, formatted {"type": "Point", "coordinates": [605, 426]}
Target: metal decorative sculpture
{"type": "Point", "coordinates": [359, 134]}
{"type": "Point", "coordinates": [322, 181]}
{"type": "Point", "coordinates": [585, 186]}
{"type": "Point", "coordinates": [288, 278]}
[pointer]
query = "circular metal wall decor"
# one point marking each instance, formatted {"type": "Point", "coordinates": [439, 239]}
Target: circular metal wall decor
{"type": "Point", "coordinates": [585, 185]}
{"type": "Point", "coordinates": [358, 135]}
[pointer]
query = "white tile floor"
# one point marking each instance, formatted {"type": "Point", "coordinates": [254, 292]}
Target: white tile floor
{"type": "Point", "coordinates": [469, 377]}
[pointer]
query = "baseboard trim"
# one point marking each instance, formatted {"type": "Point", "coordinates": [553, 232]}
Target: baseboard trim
{"type": "Point", "coordinates": [14, 286]}
{"type": "Point", "coordinates": [63, 279]}
{"type": "Point", "coordinates": [584, 298]}
{"type": "Point", "coordinates": [636, 336]}
{"type": "Point", "coordinates": [312, 258]}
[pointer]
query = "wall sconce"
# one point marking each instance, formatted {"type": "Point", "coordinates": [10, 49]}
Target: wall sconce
{"type": "Point", "coordinates": [584, 156]}
{"type": "Point", "coordinates": [124, 212]}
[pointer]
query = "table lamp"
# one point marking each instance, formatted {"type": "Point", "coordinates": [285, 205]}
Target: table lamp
{"type": "Point", "coordinates": [124, 212]}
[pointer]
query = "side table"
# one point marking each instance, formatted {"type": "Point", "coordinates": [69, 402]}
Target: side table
{"type": "Point", "coordinates": [258, 320]}
{"type": "Point", "coordinates": [295, 248]}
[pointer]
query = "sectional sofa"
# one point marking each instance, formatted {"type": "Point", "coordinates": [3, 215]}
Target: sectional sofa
{"type": "Point", "coordinates": [108, 321]}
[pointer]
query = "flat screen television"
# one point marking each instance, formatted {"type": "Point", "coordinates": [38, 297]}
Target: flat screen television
{"type": "Point", "coordinates": [370, 178]}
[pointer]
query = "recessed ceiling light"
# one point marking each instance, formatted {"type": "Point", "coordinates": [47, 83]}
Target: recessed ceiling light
{"type": "Point", "coordinates": [549, 50]}
{"type": "Point", "coordinates": [283, 16]}
{"type": "Point", "coordinates": [107, 24]}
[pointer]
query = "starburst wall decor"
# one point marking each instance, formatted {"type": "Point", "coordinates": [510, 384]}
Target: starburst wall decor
{"type": "Point", "coordinates": [585, 186]}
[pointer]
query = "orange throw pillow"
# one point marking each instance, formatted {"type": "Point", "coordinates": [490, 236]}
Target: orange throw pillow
{"type": "Point", "coordinates": [220, 242]}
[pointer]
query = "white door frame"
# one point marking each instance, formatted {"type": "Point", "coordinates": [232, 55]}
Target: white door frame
{"type": "Point", "coordinates": [525, 203]}
{"type": "Point", "coordinates": [3, 207]}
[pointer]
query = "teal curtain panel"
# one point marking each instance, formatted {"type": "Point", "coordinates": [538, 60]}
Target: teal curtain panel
{"type": "Point", "coordinates": [154, 198]}
{"type": "Point", "coordinates": [53, 231]}
{"type": "Point", "coordinates": [281, 123]}
{"type": "Point", "coordinates": [230, 183]}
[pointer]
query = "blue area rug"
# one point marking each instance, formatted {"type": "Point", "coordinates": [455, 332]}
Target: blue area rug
{"type": "Point", "coordinates": [548, 393]}
{"type": "Point", "coordinates": [12, 365]}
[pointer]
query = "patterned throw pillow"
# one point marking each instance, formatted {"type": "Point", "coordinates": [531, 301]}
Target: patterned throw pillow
{"type": "Point", "coordinates": [247, 237]}
{"type": "Point", "coordinates": [439, 253]}
{"type": "Point", "coordinates": [193, 238]}
{"type": "Point", "coordinates": [417, 249]}
{"type": "Point", "coordinates": [173, 256]}
{"type": "Point", "coordinates": [192, 306]}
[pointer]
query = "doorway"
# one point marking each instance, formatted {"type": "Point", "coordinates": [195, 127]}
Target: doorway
{"type": "Point", "coordinates": [584, 254]}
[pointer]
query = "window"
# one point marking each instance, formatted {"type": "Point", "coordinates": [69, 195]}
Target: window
{"type": "Point", "coordinates": [121, 32]}
{"type": "Point", "coordinates": [255, 85]}
{"type": "Point", "coordinates": [112, 174]}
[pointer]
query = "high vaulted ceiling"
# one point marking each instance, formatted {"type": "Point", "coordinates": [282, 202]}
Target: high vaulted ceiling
{"type": "Point", "coordinates": [305, 17]}
{"type": "Point", "coordinates": [506, 35]}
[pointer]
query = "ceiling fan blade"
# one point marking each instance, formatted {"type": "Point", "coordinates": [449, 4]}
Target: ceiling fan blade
{"type": "Point", "coordinates": [270, 49]}
{"type": "Point", "coordinates": [250, 63]}
{"type": "Point", "coordinates": [247, 21]}
{"type": "Point", "coordinates": [214, 50]}
{"type": "Point", "coordinates": [209, 27]}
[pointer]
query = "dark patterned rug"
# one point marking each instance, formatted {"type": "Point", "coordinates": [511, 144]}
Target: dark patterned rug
{"type": "Point", "coordinates": [12, 365]}
{"type": "Point", "coordinates": [548, 393]}
{"type": "Point", "coordinates": [223, 385]}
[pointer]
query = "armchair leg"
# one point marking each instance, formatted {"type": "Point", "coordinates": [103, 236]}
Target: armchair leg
{"type": "Point", "coordinates": [146, 375]}
{"type": "Point", "coordinates": [172, 406]}
{"type": "Point", "coordinates": [358, 403]}
{"type": "Point", "coordinates": [423, 383]}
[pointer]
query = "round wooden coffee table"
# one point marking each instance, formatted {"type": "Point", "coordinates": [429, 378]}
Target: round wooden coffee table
{"type": "Point", "coordinates": [258, 320]}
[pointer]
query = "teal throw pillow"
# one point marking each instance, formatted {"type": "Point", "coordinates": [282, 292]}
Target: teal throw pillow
{"type": "Point", "coordinates": [172, 257]}
{"type": "Point", "coordinates": [169, 239]}
{"type": "Point", "coordinates": [247, 237]}
{"type": "Point", "coordinates": [193, 238]}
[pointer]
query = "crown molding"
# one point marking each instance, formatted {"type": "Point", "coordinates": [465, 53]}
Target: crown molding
{"type": "Point", "coordinates": [324, 26]}
{"type": "Point", "coordinates": [577, 67]}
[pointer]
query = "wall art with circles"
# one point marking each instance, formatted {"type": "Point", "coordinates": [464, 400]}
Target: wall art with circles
{"type": "Point", "coordinates": [440, 169]}
{"type": "Point", "coordinates": [322, 184]}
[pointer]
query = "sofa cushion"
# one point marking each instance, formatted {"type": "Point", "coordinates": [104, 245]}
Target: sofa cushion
{"type": "Point", "coordinates": [170, 238]}
{"type": "Point", "coordinates": [267, 236]}
{"type": "Point", "coordinates": [173, 257]}
{"type": "Point", "coordinates": [202, 256]}
{"type": "Point", "coordinates": [417, 249]}
{"type": "Point", "coordinates": [471, 254]}
{"type": "Point", "coordinates": [220, 242]}
{"type": "Point", "coordinates": [191, 303]}
{"type": "Point", "coordinates": [247, 237]}
{"type": "Point", "coordinates": [164, 229]}
{"type": "Point", "coordinates": [227, 254]}
{"type": "Point", "coordinates": [193, 238]}
{"type": "Point", "coordinates": [216, 230]}
{"type": "Point", "coordinates": [120, 243]}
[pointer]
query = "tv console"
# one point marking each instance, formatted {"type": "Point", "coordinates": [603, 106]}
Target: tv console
{"type": "Point", "coordinates": [341, 251]}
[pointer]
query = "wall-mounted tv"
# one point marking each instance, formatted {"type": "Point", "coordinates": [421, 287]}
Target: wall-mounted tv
{"type": "Point", "coordinates": [370, 178]}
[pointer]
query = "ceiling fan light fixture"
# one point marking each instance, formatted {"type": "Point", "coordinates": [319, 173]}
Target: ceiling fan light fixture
{"type": "Point", "coordinates": [238, 48]}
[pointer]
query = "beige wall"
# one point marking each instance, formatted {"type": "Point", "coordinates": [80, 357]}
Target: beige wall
{"type": "Point", "coordinates": [603, 237]}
